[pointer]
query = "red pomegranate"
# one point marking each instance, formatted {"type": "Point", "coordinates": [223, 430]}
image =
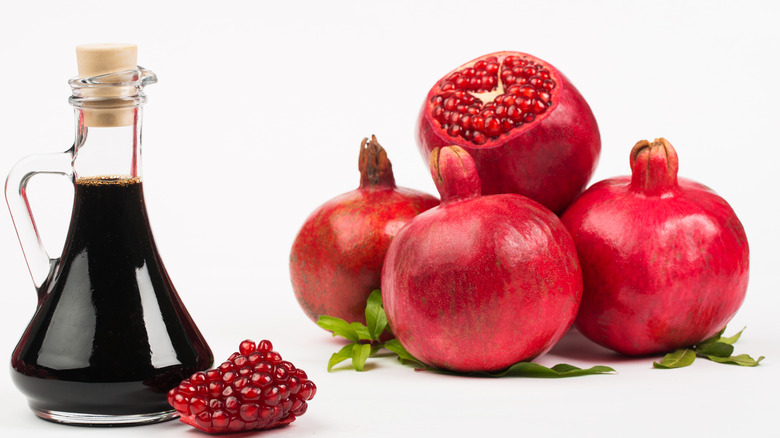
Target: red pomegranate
{"type": "Point", "coordinates": [664, 260]}
{"type": "Point", "coordinates": [336, 259]}
{"type": "Point", "coordinates": [526, 126]}
{"type": "Point", "coordinates": [479, 282]}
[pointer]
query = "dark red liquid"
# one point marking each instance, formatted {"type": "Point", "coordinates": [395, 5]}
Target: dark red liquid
{"type": "Point", "coordinates": [110, 335]}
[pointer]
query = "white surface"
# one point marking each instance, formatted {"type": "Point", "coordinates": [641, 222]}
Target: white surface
{"type": "Point", "coordinates": [257, 119]}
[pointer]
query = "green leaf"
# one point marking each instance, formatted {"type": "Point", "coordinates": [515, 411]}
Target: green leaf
{"type": "Point", "coordinates": [719, 349]}
{"type": "Point", "coordinates": [403, 355]}
{"type": "Point", "coordinates": [530, 369]}
{"type": "Point", "coordinates": [678, 359]}
{"type": "Point", "coordinates": [714, 338]}
{"type": "Point", "coordinates": [376, 320]}
{"type": "Point", "coordinates": [742, 360]}
{"type": "Point", "coordinates": [342, 355]}
{"type": "Point", "coordinates": [339, 327]}
{"type": "Point", "coordinates": [360, 353]}
{"type": "Point", "coordinates": [361, 330]}
{"type": "Point", "coordinates": [732, 339]}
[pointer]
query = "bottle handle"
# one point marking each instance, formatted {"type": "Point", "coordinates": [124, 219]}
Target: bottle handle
{"type": "Point", "coordinates": [38, 260]}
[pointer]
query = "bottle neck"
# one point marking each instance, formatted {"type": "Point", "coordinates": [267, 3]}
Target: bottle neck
{"type": "Point", "coordinates": [107, 151]}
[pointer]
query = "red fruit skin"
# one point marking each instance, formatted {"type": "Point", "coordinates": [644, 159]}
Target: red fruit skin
{"type": "Point", "coordinates": [480, 283]}
{"type": "Point", "coordinates": [663, 268]}
{"type": "Point", "coordinates": [549, 160]}
{"type": "Point", "coordinates": [337, 256]}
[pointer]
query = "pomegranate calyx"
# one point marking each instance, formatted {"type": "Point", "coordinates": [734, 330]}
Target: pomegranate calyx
{"type": "Point", "coordinates": [455, 174]}
{"type": "Point", "coordinates": [653, 167]}
{"type": "Point", "coordinates": [376, 171]}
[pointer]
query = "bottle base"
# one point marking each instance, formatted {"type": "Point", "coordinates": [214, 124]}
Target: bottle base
{"type": "Point", "coordinates": [100, 420]}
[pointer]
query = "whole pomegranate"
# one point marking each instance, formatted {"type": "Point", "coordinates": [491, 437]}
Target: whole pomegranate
{"type": "Point", "coordinates": [479, 282]}
{"type": "Point", "coordinates": [336, 259]}
{"type": "Point", "coordinates": [664, 260]}
{"type": "Point", "coordinates": [526, 126]}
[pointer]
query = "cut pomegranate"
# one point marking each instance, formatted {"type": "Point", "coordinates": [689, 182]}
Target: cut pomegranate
{"type": "Point", "coordinates": [253, 389]}
{"type": "Point", "coordinates": [527, 127]}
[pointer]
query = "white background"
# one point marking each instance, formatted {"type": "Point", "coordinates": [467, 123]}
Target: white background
{"type": "Point", "coordinates": [257, 119]}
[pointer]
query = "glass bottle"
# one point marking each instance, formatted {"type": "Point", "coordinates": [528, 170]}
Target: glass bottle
{"type": "Point", "coordinates": [110, 335]}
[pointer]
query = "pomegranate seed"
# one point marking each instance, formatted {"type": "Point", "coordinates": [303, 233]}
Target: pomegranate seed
{"type": "Point", "coordinates": [514, 113]}
{"type": "Point", "coordinates": [500, 110]}
{"type": "Point", "coordinates": [487, 112]}
{"type": "Point", "coordinates": [478, 138]}
{"type": "Point", "coordinates": [535, 81]}
{"type": "Point", "coordinates": [246, 348]}
{"type": "Point", "coordinates": [478, 123]}
{"type": "Point", "coordinates": [198, 378]}
{"type": "Point", "coordinates": [507, 124]}
{"type": "Point", "coordinates": [492, 126]}
{"type": "Point", "coordinates": [528, 117]}
{"type": "Point", "coordinates": [525, 104]}
{"type": "Point", "coordinates": [529, 71]}
{"type": "Point", "coordinates": [461, 82]}
{"type": "Point", "coordinates": [527, 91]}
{"type": "Point", "coordinates": [454, 130]}
{"type": "Point", "coordinates": [264, 367]}
{"type": "Point", "coordinates": [261, 380]}
{"type": "Point", "coordinates": [469, 72]}
{"type": "Point", "coordinates": [438, 112]}
{"type": "Point", "coordinates": [450, 103]}
{"type": "Point", "coordinates": [549, 84]}
{"type": "Point", "coordinates": [480, 65]}
{"type": "Point", "coordinates": [539, 106]}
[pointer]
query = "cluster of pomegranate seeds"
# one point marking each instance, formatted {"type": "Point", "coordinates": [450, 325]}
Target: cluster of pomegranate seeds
{"type": "Point", "coordinates": [525, 93]}
{"type": "Point", "coordinates": [253, 389]}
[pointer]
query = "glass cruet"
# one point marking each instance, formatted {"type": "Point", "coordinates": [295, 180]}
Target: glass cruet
{"type": "Point", "coordinates": [110, 335]}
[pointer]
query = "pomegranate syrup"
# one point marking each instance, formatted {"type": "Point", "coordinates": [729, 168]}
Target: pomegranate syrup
{"type": "Point", "coordinates": [110, 335]}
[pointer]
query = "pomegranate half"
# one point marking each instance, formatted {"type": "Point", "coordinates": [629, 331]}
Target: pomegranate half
{"type": "Point", "coordinates": [664, 260]}
{"type": "Point", "coordinates": [336, 258]}
{"type": "Point", "coordinates": [526, 126]}
{"type": "Point", "coordinates": [480, 282]}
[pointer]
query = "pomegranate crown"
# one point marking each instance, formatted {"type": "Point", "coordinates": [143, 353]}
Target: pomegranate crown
{"type": "Point", "coordinates": [455, 174]}
{"type": "Point", "coordinates": [375, 168]}
{"type": "Point", "coordinates": [653, 167]}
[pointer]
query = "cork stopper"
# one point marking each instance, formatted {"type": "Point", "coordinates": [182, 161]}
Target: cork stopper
{"type": "Point", "coordinates": [100, 59]}
{"type": "Point", "coordinates": [104, 59]}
